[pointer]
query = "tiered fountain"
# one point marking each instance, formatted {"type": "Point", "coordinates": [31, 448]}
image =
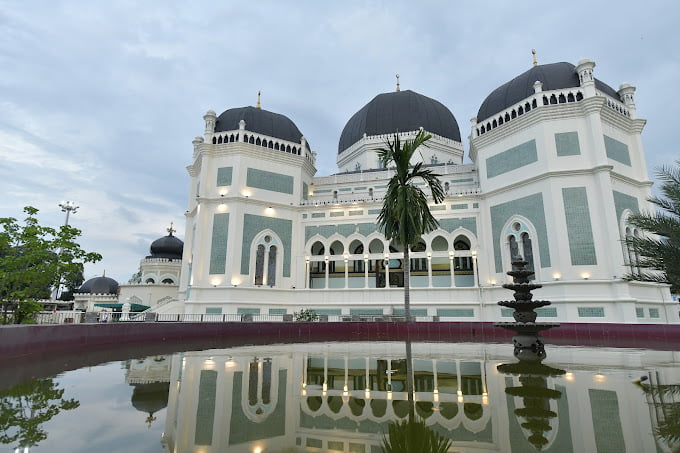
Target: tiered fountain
{"type": "Point", "coordinates": [536, 415]}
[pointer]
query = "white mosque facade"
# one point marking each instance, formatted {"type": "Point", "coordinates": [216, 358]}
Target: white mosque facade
{"type": "Point", "coordinates": [557, 167]}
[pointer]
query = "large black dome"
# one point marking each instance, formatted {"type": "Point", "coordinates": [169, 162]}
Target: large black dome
{"type": "Point", "coordinates": [168, 247]}
{"type": "Point", "coordinates": [260, 121]}
{"type": "Point", "coordinates": [99, 285]}
{"type": "Point", "coordinates": [402, 111]}
{"type": "Point", "coordinates": [554, 76]}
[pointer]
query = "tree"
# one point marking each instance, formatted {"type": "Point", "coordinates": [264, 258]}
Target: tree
{"type": "Point", "coordinates": [405, 215]}
{"type": "Point", "coordinates": [413, 436]}
{"type": "Point", "coordinates": [34, 259]}
{"type": "Point", "coordinates": [659, 252]}
{"type": "Point", "coordinates": [25, 407]}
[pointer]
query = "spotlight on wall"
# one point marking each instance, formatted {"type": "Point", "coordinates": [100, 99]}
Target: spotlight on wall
{"type": "Point", "coordinates": [585, 276]}
{"type": "Point", "coordinates": [557, 276]}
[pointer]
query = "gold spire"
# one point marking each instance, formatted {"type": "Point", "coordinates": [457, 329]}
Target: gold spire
{"type": "Point", "coordinates": [533, 52]}
{"type": "Point", "coordinates": [171, 229]}
{"type": "Point", "coordinates": [398, 89]}
{"type": "Point", "coordinates": [258, 106]}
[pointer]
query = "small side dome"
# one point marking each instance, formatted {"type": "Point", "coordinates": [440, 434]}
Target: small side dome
{"type": "Point", "coordinates": [259, 121]}
{"type": "Point", "coordinates": [399, 111]}
{"type": "Point", "coordinates": [99, 285]}
{"type": "Point", "coordinates": [168, 247]}
{"type": "Point", "coordinates": [554, 76]}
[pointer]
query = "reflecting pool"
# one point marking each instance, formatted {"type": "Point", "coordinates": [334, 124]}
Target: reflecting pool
{"type": "Point", "coordinates": [340, 397]}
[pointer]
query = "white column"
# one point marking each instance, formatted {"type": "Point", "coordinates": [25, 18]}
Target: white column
{"type": "Point", "coordinates": [452, 268]}
{"type": "Point", "coordinates": [387, 270]}
{"type": "Point", "coordinates": [327, 266]}
{"type": "Point", "coordinates": [346, 259]}
{"type": "Point", "coordinates": [306, 272]}
{"type": "Point", "coordinates": [365, 271]}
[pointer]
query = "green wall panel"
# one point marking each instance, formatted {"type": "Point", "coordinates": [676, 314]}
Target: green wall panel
{"type": "Point", "coordinates": [268, 180]}
{"type": "Point", "coordinates": [374, 211]}
{"type": "Point", "coordinates": [305, 191]}
{"type": "Point", "coordinates": [205, 410]}
{"type": "Point", "coordinates": [459, 206]}
{"type": "Point", "coordinates": [224, 176]}
{"type": "Point", "coordinates": [450, 225]}
{"type": "Point", "coordinates": [623, 202]}
{"type": "Point", "coordinates": [567, 144]}
{"type": "Point", "coordinates": [616, 150]}
{"type": "Point", "coordinates": [604, 406]}
{"type": "Point", "coordinates": [316, 215]}
{"type": "Point", "coordinates": [591, 312]}
{"type": "Point", "coordinates": [218, 246]}
{"type": "Point", "coordinates": [511, 159]}
{"type": "Point", "coordinates": [344, 230]}
{"type": "Point", "coordinates": [579, 227]}
{"type": "Point", "coordinates": [338, 214]}
{"type": "Point", "coordinates": [357, 212]}
{"type": "Point", "coordinates": [242, 429]}
{"type": "Point", "coordinates": [253, 225]}
{"type": "Point", "coordinates": [530, 207]}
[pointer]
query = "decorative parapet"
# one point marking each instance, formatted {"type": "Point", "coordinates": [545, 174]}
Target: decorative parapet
{"type": "Point", "coordinates": [273, 143]}
{"type": "Point", "coordinates": [540, 99]}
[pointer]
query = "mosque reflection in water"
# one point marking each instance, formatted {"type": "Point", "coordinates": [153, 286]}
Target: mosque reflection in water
{"type": "Point", "coordinates": [341, 397]}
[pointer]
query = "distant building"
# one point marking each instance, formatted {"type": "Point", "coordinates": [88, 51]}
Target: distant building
{"type": "Point", "coordinates": [557, 168]}
{"type": "Point", "coordinates": [154, 287]}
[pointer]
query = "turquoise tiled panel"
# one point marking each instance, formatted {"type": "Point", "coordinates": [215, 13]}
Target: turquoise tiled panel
{"type": "Point", "coordinates": [512, 159]}
{"type": "Point", "coordinates": [623, 201]}
{"type": "Point", "coordinates": [268, 180]}
{"type": "Point", "coordinates": [334, 445]}
{"type": "Point", "coordinates": [205, 410]}
{"type": "Point", "coordinates": [304, 216]}
{"type": "Point", "coordinates": [345, 230]}
{"type": "Point", "coordinates": [530, 207]}
{"type": "Point", "coordinates": [360, 188]}
{"type": "Point", "coordinates": [439, 207]}
{"type": "Point", "coordinates": [337, 214]}
{"type": "Point", "coordinates": [327, 311]}
{"type": "Point", "coordinates": [305, 191]}
{"type": "Point", "coordinates": [450, 225]}
{"type": "Point", "coordinates": [213, 311]}
{"type": "Point", "coordinates": [414, 312]}
{"type": "Point", "coordinates": [278, 311]}
{"type": "Point", "coordinates": [380, 187]}
{"type": "Point", "coordinates": [253, 225]}
{"type": "Point", "coordinates": [345, 189]}
{"type": "Point", "coordinates": [567, 144]}
{"type": "Point", "coordinates": [456, 312]}
{"type": "Point", "coordinates": [653, 312]}
{"type": "Point", "coordinates": [314, 443]}
{"type": "Point", "coordinates": [218, 247]}
{"type": "Point", "coordinates": [579, 228]}
{"type": "Point", "coordinates": [507, 312]}
{"type": "Point", "coordinates": [604, 406]}
{"type": "Point", "coordinates": [459, 206]}
{"type": "Point", "coordinates": [591, 312]}
{"type": "Point", "coordinates": [316, 215]}
{"type": "Point", "coordinates": [323, 191]}
{"type": "Point", "coordinates": [640, 312]}
{"type": "Point", "coordinates": [247, 311]}
{"type": "Point", "coordinates": [454, 181]}
{"type": "Point", "coordinates": [549, 312]}
{"type": "Point", "coordinates": [358, 212]}
{"type": "Point", "coordinates": [374, 211]}
{"type": "Point", "coordinates": [242, 429]}
{"type": "Point", "coordinates": [366, 311]}
{"type": "Point", "coordinates": [224, 176]}
{"type": "Point", "coordinates": [616, 150]}
{"type": "Point", "coordinates": [475, 205]}
{"type": "Point", "coordinates": [356, 448]}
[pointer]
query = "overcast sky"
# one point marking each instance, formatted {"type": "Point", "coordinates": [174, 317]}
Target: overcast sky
{"type": "Point", "coordinates": [99, 101]}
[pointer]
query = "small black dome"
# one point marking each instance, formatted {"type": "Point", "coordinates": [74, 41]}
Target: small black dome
{"type": "Point", "coordinates": [99, 285]}
{"type": "Point", "coordinates": [168, 247]}
{"type": "Point", "coordinates": [150, 398]}
{"type": "Point", "coordinates": [260, 121]}
{"type": "Point", "coordinates": [554, 76]}
{"type": "Point", "coordinates": [402, 111]}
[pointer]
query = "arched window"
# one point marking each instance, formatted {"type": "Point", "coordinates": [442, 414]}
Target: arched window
{"type": "Point", "coordinates": [462, 263]}
{"type": "Point", "coordinates": [419, 264]}
{"type": "Point", "coordinates": [446, 187]}
{"type": "Point", "coordinates": [266, 260]}
{"type": "Point", "coordinates": [370, 192]}
{"type": "Point", "coordinates": [150, 281]}
{"type": "Point", "coordinates": [519, 243]}
{"type": "Point", "coordinates": [357, 248]}
{"type": "Point", "coordinates": [167, 281]}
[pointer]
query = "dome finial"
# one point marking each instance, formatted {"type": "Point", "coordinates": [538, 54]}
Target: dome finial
{"type": "Point", "coordinates": [104, 274]}
{"type": "Point", "coordinates": [398, 89]}
{"type": "Point", "coordinates": [171, 229]}
{"type": "Point", "coordinates": [533, 53]}
{"type": "Point", "coordinates": [258, 106]}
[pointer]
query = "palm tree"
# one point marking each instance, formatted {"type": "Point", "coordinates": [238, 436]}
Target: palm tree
{"type": "Point", "coordinates": [660, 254]}
{"type": "Point", "coordinates": [405, 215]}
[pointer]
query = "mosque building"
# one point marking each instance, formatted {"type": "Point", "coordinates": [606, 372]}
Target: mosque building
{"type": "Point", "coordinates": [557, 167]}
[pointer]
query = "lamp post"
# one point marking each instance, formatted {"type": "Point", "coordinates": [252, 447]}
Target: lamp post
{"type": "Point", "coordinates": [68, 207]}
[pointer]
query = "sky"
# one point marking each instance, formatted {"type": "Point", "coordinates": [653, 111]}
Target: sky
{"type": "Point", "coordinates": [99, 101]}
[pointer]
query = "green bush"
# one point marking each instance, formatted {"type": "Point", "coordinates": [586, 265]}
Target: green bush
{"type": "Point", "coordinates": [306, 315]}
